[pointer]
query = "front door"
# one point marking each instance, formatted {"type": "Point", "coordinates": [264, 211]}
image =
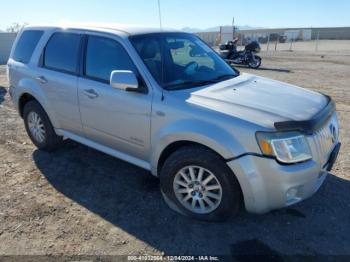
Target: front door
{"type": "Point", "coordinates": [112, 117]}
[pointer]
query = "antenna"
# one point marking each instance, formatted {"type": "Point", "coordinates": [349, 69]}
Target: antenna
{"type": "Point", "coordinates": [160, 15]}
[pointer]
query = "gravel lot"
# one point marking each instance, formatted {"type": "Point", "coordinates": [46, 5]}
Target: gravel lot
{"type": "Point", "coordinates": [77, 201]}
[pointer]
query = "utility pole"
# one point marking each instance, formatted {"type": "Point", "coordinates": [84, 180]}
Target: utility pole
{"type": "Point", "coordinates": [233, 26]}
{"type": "Point", "coordinates": [160, 15]}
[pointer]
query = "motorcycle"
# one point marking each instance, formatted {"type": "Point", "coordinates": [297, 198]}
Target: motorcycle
{"type": "Point", "coordinates": [229, 52]}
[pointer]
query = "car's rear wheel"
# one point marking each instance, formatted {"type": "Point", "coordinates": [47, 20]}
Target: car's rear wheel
{"type": "Point", "coordinates": [197, 182]}
{"type": "Point", "coordinates": [39, 127]}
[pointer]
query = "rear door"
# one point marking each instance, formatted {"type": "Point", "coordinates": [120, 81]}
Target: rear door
{"type": "Point", "coordinates": [58, 78]}
{"type": "Point", "coordinates": [112, 117]}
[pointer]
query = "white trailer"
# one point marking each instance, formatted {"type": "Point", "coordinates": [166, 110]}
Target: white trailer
{"type": "Point", "coordinates": [6, 41]}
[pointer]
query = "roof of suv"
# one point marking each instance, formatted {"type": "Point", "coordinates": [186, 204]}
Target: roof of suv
{"type": "Point", "coordinates": [128, 29]}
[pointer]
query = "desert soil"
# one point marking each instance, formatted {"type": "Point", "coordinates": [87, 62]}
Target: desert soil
{"type": "Point", "coordinates": [77, 201]}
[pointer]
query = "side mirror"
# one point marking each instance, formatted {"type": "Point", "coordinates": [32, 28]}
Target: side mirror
{"type": "Point", "coordinates": [125, 80]}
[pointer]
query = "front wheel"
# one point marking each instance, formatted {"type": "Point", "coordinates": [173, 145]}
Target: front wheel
{"type": "Point", "coordinates": [255, 62]}
{"type": "Point", "coordinates": [196, 182]}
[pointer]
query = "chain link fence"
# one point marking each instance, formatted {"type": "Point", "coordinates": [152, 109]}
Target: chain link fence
{"type": "Point", "coordinates": [310, 40]}
{"type": "Point", "coordinates": [299, 40]}
{"type": "Point", "coordinates": [321, 40]}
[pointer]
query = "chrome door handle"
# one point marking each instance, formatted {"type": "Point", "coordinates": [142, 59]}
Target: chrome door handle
{"type": "Point", "coordinates": [42, 79]}
{"type": "Point", "coordinates": [90, 93]}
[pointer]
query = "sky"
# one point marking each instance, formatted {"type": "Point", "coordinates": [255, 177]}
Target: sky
{"type": "Point", "coordinates": [180, 13]}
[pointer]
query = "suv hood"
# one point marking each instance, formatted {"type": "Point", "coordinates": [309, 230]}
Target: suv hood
{"type": "Point", "coordinates": [259, 100]}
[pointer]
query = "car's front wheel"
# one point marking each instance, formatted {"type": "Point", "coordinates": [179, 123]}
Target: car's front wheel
{"type": "Point", "coordinates": [197, 182]}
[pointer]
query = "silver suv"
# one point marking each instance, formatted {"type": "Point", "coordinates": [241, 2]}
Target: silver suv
{"type": "Point", "coordinates": [165, 101]}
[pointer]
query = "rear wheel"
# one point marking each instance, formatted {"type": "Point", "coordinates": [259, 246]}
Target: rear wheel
{"type": "Point", "coordinates": [39, 127]}
{"type": "Point", "coordinates": [255, 63]}
{"type": "Point", "coordinates": [196, 182]}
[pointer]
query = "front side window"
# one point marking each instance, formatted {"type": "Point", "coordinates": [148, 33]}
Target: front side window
{"type": "Point", "coordinates": [180, 60]}
{"type": "Point", "coordinates": [62, 52]}
{"type": "Point", "coordinates": [103, 56]}
{"type": "Point", "coordinates": [26, 45]}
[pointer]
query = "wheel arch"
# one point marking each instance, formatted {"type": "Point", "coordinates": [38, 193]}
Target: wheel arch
{"type": "Point", "coordinates": [184, 133]}
{"type": "Point", "coordinates": [23, 100]}
{"type": "Point", "coordinates": [171, 148]}
{"type": "Point", "coordinates": [29, 90]}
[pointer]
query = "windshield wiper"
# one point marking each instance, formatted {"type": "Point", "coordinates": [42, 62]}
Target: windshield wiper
{"type": "Point", "coordinates": [199, 83]}
{"type": "Point", "coordinates": [188, 84]}
{"type": "Point", "coordinates": [222, 78]}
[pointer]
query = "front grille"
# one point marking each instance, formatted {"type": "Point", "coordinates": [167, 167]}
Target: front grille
{"type": "Point", "coordinates": [326, 137]}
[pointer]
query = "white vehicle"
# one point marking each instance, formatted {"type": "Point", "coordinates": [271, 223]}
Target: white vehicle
{"type": "Point", "coordinates": [163, 100]}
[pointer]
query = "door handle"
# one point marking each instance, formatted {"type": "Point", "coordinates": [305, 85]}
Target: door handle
{"type": "Point", "coordinates": [90, 93]}
{"type": "Point", "coordinates": [42, 79]}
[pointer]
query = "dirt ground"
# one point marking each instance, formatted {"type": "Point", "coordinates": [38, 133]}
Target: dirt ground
{"type": "Point", "coordinates": [77, 201]}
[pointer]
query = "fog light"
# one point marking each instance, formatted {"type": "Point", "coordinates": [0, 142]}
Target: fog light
{"type": "Point", "coordinates": [292, 195]}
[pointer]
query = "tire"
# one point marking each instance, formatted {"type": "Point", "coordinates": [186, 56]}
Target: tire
{"type": "Point", "coordinates": [255, 65]}
{"type": "Point", "coordinates": [197, 158]}
{"type": "Point", "coordinates": [34, 113]}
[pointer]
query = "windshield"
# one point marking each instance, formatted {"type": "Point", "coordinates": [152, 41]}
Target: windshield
{"type": "Point", "coordinates": [181, 60]}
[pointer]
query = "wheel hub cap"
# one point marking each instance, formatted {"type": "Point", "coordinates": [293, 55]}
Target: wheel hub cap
{"type": "Point", "coordinates": [36, 127]}
{"type": "Point", "coordinates": [197, 189]}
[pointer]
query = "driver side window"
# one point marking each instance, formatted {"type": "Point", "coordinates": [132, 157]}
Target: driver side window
{"type": "Point", "coordinates": [103, 56]}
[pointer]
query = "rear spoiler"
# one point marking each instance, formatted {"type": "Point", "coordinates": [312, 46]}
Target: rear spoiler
{"type": "Point", "coordinates": [311, 125]}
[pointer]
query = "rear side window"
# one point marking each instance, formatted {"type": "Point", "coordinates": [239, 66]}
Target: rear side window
{"type": "Point", "coordinates": [26, 45]}
{"type": "Point", "coordinates": [61, 52]}
{"type": "Point", "coordinates": [104, 55]}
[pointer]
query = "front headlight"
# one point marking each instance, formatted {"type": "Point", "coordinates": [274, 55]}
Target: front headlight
{"type": "Point", "coordinates": [287, 147]}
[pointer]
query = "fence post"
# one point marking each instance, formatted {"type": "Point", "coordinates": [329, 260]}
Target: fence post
{"type": "Point", "coordinates": [318, 37]}
{"type": "Point", "coordinates": [291, 43]}
{"type": "Point", "coordinates": [268, 42]}
{"type": "Point", "coordinates": [276, 44]}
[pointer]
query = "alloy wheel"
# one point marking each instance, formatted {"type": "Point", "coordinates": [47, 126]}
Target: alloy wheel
{"type": "Point", "coordinates": [197, 189]}
{"type": "Point", "coordinates": [36, 127]}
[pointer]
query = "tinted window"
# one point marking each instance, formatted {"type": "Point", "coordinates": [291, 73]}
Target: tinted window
{"type": "Point", "coordinates": [26, 45]}
{"type": "Point", "coordinates": [181, 60]}
{"type": "Point", "coordinates": [104, 55]}
{"type": "Point", "coordinates": [61, 52]}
